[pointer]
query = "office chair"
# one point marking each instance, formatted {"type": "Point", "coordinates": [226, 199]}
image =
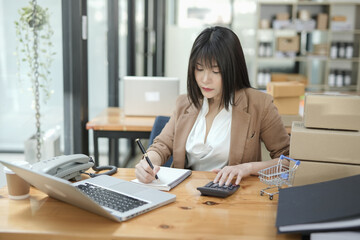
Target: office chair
{"type": "Point", "coordinates": [159, 124]}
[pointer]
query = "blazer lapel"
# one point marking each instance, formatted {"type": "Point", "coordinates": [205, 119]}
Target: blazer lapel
{"type": "Point", "coordinates": [239, 127]}
{"type": "Point", "coordinates": [183, 127]}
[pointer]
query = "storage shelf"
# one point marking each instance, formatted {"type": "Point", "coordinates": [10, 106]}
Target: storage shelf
{"type": "Point", "coordinates": [315, 67]}
{"type": "Point", "coordinates": [345, 88]}
{"type": "Point", "coordinates": [327, 31]}
{"type": "Point", "coordinates": [294, 59]}
{"type": "Point", "coordinates": [308, 58]}
{"type": "Point", "coordinates": [344, 60]}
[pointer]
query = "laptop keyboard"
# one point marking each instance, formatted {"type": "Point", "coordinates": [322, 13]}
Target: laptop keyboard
{"type": "Point", "coordinates": [110, 199]}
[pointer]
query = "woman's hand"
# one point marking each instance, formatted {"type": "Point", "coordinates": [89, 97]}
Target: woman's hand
{"type": "Point", "coordinates": [144, 173]}
{"type": "Point", "coordinates": [227, 174]}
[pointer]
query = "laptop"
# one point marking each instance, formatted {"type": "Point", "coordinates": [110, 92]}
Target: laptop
{"type": "Point", "coordinates": [139, 199]}
{"type": "Point", "coordinates": [150, 96]}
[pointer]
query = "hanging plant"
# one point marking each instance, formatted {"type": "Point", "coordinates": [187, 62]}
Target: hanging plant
{"type": "Point", "coordinates": [34, 50]}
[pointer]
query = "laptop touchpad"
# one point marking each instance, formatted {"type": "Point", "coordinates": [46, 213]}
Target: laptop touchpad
{"type": "Point", "coordinates": [128, 188]}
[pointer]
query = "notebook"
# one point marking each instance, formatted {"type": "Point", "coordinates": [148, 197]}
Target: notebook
{"type": "Point", "coordinates": [168, 178]}
{"type": "Point", "coordinates": [139, 199]}
{"type": "Point", "coordinates": [150, 96]}
{"type": "Point", "coordinates": [325, 206]}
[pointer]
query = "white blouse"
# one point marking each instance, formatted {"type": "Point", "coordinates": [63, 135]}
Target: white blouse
{"type": "Point", "coordinates": [214, 153]}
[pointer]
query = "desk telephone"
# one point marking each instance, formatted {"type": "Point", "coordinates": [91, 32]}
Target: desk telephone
{"type": "Point", "coordinates": [70, 166]}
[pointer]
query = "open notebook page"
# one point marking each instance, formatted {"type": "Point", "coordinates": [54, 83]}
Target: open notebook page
{"type": "Point", "coordinates": [168, 178]}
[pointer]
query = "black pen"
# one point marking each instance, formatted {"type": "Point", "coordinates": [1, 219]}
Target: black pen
{"type": "Point", "coordinates": [145, 154]}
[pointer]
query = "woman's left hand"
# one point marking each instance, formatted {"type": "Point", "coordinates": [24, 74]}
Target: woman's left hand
{"type": "Point", "coordinates": [227, 174]}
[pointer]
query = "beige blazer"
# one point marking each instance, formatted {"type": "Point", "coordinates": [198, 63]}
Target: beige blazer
{"type": "Point", "coordinates": [254, 118]}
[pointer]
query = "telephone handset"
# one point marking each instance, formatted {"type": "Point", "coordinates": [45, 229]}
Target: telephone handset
{"type": "Point", "coordinates": [66, 166]}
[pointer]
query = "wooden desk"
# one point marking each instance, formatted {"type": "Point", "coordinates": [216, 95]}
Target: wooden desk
{"type": "Point", "coordinates": [113, 124]}
{"type": "Point", "coordinates": [244, 215]}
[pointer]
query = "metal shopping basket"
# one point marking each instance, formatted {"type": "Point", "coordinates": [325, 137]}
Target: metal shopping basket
{"type": "Point", "coordinates": [277, 176]}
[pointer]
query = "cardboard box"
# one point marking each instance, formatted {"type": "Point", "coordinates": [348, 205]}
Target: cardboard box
{"type": "Point", "coordinates": [322, 21]}
{"type": "Point", "coordinates": [339, 18]}
{"type": "Point", "coordinates": [288, 44]}
{"type": "Point", "coordinates": [298, 78]}
{"type": "Point", "coordinates": [321, 49]}
{"type": "Point", "coordinates": [279, 77]}
{"type": "Point", "coordinates": [332, 112]}
{"type": "Point", "coordinates": [310, 172]}
{"type": "Point", "coordinates": [285, 89]}
{"type": "Point", "coordinates": [289, 119]}
{"type": "Point", "coordinates": [282, 16]}
{"type": "Point", "coordinates": [287, 105]}
{"type": "Point", "coordinates": [324, 145]}
{"type": "Point", "coordinates": [285, 77]}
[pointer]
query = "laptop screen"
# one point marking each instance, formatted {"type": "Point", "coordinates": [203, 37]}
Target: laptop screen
{"type": "Point", "coordinates": [150, 96]}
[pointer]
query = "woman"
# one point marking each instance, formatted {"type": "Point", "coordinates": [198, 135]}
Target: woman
{"type": "Point", "coordinates": [219, 124]}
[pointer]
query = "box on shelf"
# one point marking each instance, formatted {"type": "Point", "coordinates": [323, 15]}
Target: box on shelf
{"type": "Point", "coordinates": [321, 49]}
{"type": "Point", "coordinates": [289, 119]}
{"type": "Point", "coordinates": [297, 78]}
{"type": "Point", "coordinates": [285, 89]}
{"type": "Point", "coordinates": [324, 145]}
{"type": "Point", "coordinates": [282, 16]}
{"type": "Point", "coordinates": [286, 96]}
{"type": "Point", "coordinates": [285, 77]}
{"type": "Point", "coordinates": [332, 111]}
{"type": "Point", "coordinates": [287, 105]}
{"type": "Point", "coordinates": [288, 44]}
{"type": "Point", "coordinates": [322, 21]}
{"type": "Point", "coordinates": [310, 172]}
{"type": "Point", "coordinates": [339, 18]}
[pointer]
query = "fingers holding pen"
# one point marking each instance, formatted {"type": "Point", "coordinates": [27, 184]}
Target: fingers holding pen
{"type": "Point", "coordinates": [144, 172]}
{"type": "Point", "coordinates": [147, 159]}
{"type": "Point", "coordinates": [156, 169]}
{"type": "Point", "coordinates": [141, 174]}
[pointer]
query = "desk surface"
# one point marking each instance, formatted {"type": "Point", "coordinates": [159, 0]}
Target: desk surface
{"type": "Point", "coordinates": [244, 215]}
{"type": "Point", "coordinates": [113, 119]}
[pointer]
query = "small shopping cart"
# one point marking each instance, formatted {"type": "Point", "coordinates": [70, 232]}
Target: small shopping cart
{"type": "Point", "coordinates": [277, 176]}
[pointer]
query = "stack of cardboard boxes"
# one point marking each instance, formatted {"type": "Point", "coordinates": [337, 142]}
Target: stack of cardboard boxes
{"type": "Point", "coordinates": [328, 140]}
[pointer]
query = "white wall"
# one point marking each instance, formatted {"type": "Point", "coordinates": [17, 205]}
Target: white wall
{"type": "Point", "coordinates": [178, 46]}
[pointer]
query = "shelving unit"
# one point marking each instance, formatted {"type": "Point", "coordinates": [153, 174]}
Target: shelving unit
{"type": "Point", "coordinates": [306, 60]}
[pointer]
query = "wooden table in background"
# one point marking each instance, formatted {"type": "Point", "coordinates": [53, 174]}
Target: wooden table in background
{"type": "Point", "coordinates": [244, 215]}
{"type": "Point", "coordinates": [113, 124]}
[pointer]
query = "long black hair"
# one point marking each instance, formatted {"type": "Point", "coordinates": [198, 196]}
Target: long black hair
{"type": "Point", "coordinates": [221, 45]}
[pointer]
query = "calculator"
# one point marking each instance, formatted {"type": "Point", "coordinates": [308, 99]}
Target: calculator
{"type": "Point", "coordinates": [214, 190]}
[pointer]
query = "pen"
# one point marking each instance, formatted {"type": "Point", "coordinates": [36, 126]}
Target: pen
{"type": "Point", "coordinates": [145, 154]}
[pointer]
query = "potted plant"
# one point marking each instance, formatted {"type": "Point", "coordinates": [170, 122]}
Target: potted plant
{"type": "Point", "coordinates": [35, 55]}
